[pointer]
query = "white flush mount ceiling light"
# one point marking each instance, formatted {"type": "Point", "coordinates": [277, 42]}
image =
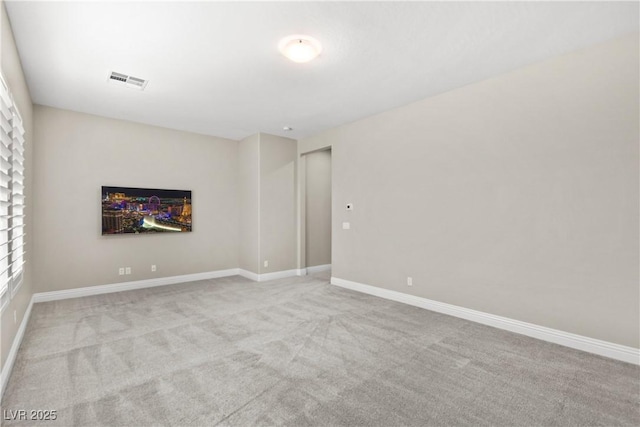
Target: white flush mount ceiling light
{"type": "Point", "coordinates": [300, 48]}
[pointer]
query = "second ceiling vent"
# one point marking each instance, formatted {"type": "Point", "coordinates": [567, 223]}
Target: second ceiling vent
{"type": "Point", "coordinates": [128, 81]}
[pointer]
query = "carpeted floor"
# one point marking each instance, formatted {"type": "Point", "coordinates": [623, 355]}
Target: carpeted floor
{"type": "Point", "coordinates": [299, 352]}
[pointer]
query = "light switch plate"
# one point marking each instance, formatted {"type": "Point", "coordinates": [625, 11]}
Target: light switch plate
{"type": "Point", "coordinates": [346, 225]}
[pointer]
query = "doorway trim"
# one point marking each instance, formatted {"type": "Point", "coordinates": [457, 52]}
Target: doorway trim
{"type": "Point", "coordinates": [301, 261]}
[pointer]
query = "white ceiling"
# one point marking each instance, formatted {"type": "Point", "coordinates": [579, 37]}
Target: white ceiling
{"type": "Point", "coordinates": [214, 68]}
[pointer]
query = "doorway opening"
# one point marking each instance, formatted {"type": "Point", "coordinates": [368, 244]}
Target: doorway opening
{"type": "Point", "coordinates": [317, 211]}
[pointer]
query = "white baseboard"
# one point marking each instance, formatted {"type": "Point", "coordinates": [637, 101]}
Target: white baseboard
{"type": "Point", "coordinates": [13, 352]}
{"type": "Point", "coordinates": [249, 274]}
{"type": "Point", "coordinates": [567, 339]}
{"type": "Point", "coordinates": [268, 276]}
{"type": "Point", "coordinates": [128, 286]}
{"type": "Point", "coordinates": [160, 281]}
{"type": "Point", "coordinates": [277, 275]}
{"type": "Point", "coordinates": [318, 268]}
{"type": "Point", "coordinates": [301, 272]}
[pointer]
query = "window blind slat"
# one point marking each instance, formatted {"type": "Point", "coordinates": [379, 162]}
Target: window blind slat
{"type": "Point", "coordinates": [18, 157]}
{"type": "Point", "coordinates": [4, 93]}
{"type": "Point", "coordinates": [5, 143]}
{"type": "Point", "coordinates": [17, 124]}
{"type": "Point", "coordinates": [12, 239]}
{"type": "Point", "coordinates": [5, 124]}
{"type": "Point", "coordinates": [5, 165]}
{"type": "Point", "coordinates": [5, 152]}
{"type": "Point", "coordinates": [5, 110]}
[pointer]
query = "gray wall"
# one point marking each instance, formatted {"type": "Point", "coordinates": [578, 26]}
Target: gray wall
{"type": "Point", "coordinates": [318, 208]}
{"type": "Point", "coordinates": [78, 153]}
{"type": "Point", "coordinates": [249, 199]}
{"type": "Point", "coordinates": [267, 184]}
{"type": "Point", "coordinates": [516, 196]}
{"type": "Point", "coordinates": [12, 70]}
{"type": "Point", "coordinates": [277, 203]}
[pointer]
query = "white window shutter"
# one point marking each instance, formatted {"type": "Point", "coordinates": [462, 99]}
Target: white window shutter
{"type": "Point", "coordinates": [6, 142]}
{"type": "Point", "coordinates": [12, 221]}
{"type": "Point", "coordinates": [16, 214]}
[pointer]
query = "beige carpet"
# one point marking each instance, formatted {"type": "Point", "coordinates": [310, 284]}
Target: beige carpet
{"type": "Point", "coordinates": [299, 352]}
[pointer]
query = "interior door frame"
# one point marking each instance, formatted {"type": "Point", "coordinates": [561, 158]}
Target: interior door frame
{"type": "Point", "coordinates": [301, 261]}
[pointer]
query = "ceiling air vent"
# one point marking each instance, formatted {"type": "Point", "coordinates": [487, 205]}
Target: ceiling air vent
{"type": "Point", "coordinates": [128, 81]}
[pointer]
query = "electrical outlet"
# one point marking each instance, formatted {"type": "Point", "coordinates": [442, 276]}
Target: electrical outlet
{"type": "Point", "coordinates": [127, 270]}
{"type": "Point", "coordinates": [153, 267]}
{"type": "Point", "coordinates": [346, 226]}
{"type": "Point", "coordinates": [121, 271]}
{"type": "Point", "coordinates": [266, 263]}
{"type": "Point", "coordinates": [409, 281]}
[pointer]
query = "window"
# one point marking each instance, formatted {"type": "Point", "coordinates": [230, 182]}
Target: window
{"type": "Point", "coordinates": [11, 196]}
{"type": "Point", "coordinates": [16, 216]}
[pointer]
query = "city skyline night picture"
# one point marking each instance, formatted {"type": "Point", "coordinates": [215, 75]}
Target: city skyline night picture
{"type": "Point", "coordinates": [128, 210]}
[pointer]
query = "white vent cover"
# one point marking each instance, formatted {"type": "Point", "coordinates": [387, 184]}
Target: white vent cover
{"type": "Point", "coordinates": [128, 81]}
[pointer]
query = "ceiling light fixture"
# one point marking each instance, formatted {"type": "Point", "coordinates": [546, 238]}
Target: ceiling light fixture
{"type": "Point", "coordinates": [287, 128]}
{"type": "Point", "coordinates": [299, 48]}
